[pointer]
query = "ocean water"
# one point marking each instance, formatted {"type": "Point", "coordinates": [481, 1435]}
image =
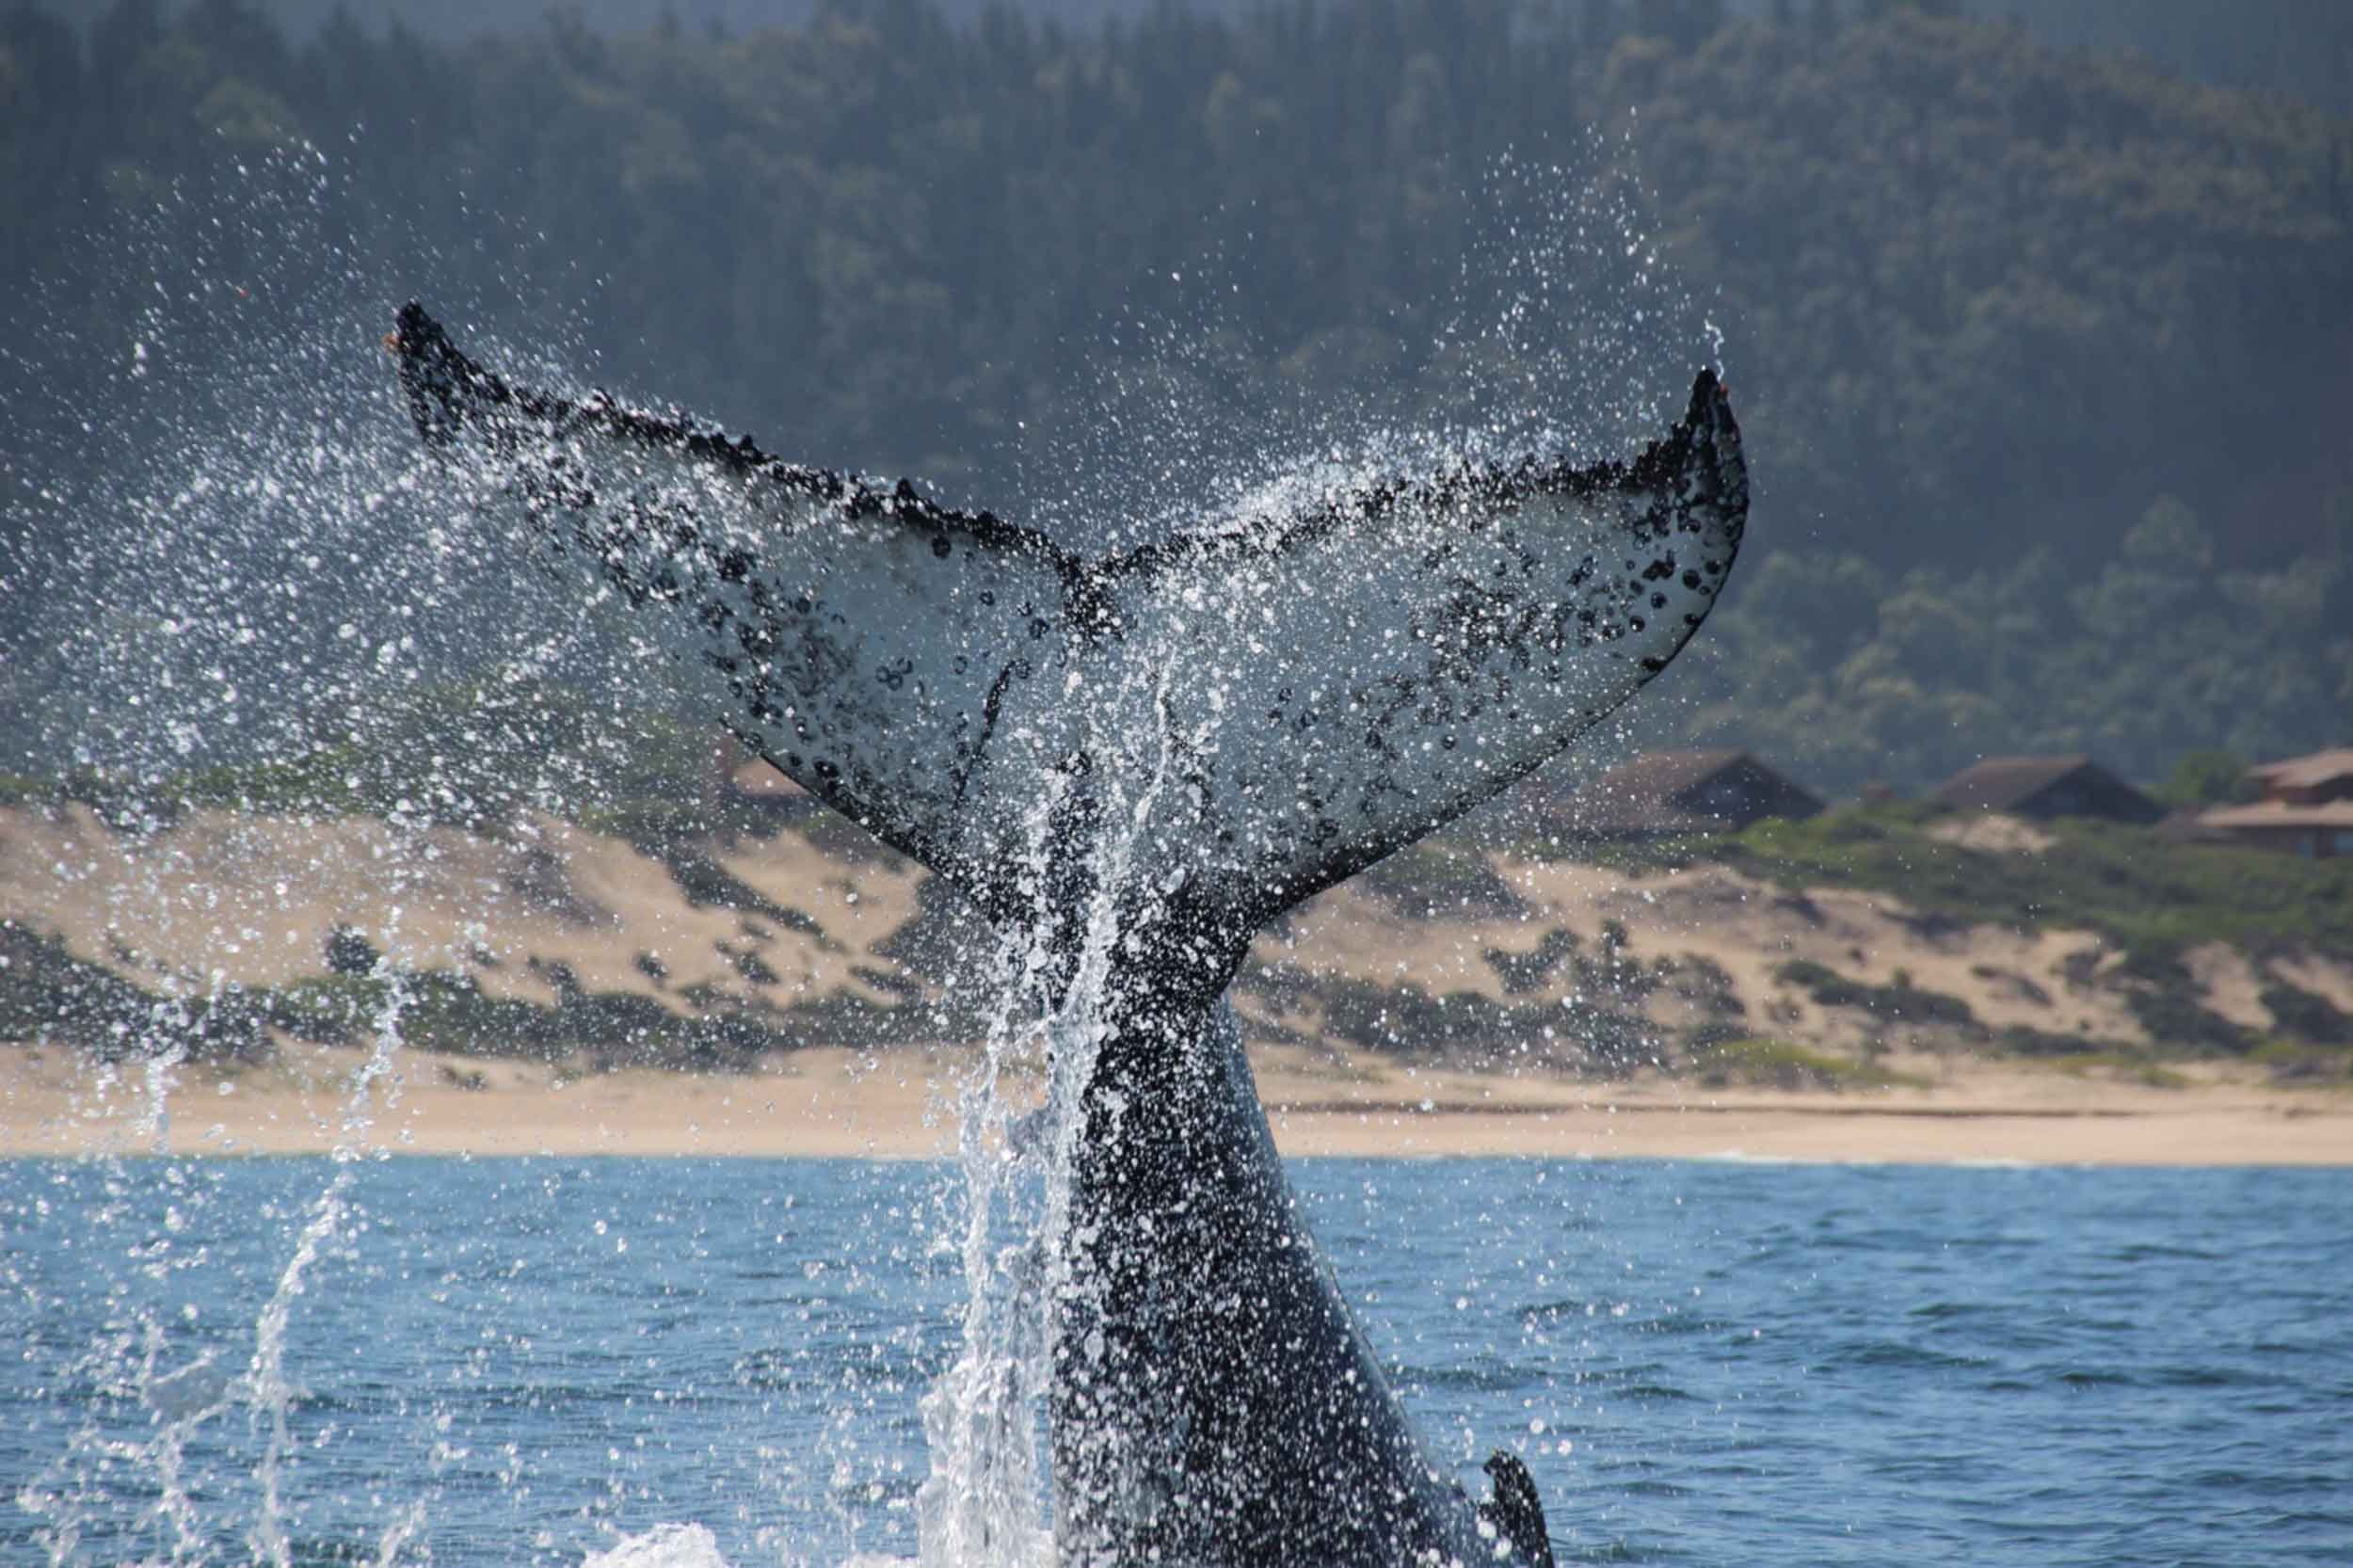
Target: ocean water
{"type": "Point", "coordinates": [535, 1361]}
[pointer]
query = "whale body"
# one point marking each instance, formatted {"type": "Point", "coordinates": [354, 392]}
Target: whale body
{"type": "Point", "coordinates": [1198, 734]}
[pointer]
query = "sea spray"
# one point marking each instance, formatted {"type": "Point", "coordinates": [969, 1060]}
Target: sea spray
{"type": "Point", "coordinates": [979, 1508]}
{"type": "Point", "coordinates": [182, 1400]}
{"type": "Point", "coordinates": [268, 1391]}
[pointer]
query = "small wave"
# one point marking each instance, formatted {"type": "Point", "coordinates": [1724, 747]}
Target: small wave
{"type": "Point", "coordinates": [2216, 1377]}
{"type": "Point", "coordinates": [693, 1546]}
{"type": "Point", "coordinates": [1482, 1377]}
{"type": "Point", "coordinates": [1656, 1489]}
{"type": "Point", "coordinates": [894, 1490]}
{"type": "Point", "coordinates": [662, 1546]}
{"type": "Point", "coordinates": [2146, 1252]}
{"type": "Point", "coordinates": [1883, 1352]}
{"type": "Point", "coordinates": [1671, 1321]}
{"type": "Point", "coordinates": [1947, 1311]}
{"type": "Point", "coordinates": [1828, 1163]}
{"type": "Point", "coordinates": [1686, 1322]}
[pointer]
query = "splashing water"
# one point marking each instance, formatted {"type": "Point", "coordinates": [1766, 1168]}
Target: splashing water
{"type": "Point", "coordinates": [979, 1505]}
{"type": "Point", "coordinates": [247, 559]}
{"type": "Point", "coordinates": [267, 1390]}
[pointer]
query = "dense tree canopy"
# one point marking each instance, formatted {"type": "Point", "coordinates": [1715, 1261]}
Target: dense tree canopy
{"type": "Point", "coordinates": [2044, 355]}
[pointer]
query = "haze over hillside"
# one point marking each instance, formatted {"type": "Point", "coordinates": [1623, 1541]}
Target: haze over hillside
{"type": "Point", "coordinates": [2042, 355]}
{"type": "Point", "coordinates": [2303, 48]}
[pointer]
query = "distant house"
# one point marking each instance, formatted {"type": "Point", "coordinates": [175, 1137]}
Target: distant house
{"type": "Point", "coordinates": [2305, 806]}
{"type": "Point", "coordinates": [2318, 780]}
{"type": "Point", "coordinates": [2074, 786]}
{"type": "Point", "coordinates": [1666, 793]}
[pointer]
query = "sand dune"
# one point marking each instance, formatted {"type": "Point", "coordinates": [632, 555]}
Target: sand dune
{"type": "Point", "coordinates": [769, 924]}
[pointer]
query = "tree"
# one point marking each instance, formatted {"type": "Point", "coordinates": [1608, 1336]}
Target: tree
{"type": "Point", "coordinates": [2206, 777]}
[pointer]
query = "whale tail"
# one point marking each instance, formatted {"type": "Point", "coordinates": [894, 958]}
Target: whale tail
{"type": "Point", "coordinates": [1341, 666]}
{"type": "Point", "coordinates": [1308, 683]}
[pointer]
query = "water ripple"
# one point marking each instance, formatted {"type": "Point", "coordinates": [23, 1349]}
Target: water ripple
{"type": "Point", "coordinates": [1702, 1365]}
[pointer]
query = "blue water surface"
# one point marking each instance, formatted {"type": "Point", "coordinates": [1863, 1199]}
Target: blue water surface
{"type": "Point", "coordinates": [524, 1361]}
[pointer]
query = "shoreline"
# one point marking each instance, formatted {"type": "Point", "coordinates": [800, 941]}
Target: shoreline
{"type": "Point", "coordinates": [899, 1105]}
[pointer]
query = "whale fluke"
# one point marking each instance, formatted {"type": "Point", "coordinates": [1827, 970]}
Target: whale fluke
{"type": "Point", "coordinates": [1252, 710]}
{"type": "Point", "coordinates": [1362, 661]}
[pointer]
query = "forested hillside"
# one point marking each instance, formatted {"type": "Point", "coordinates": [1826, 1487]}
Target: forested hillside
{"type": "Point", "coordinates": [2302, 48]}
{"type": "Point", "coordinates": [2046, 357]}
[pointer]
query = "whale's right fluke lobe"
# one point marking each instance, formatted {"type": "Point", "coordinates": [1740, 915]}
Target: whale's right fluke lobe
{"type": "Point", "coordinates": [1373, 660]}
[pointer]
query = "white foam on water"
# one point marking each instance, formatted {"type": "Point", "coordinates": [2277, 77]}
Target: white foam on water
{"type": "Point", "coordinates": [662, 1546]}
{"type": "Point", "coordinates": [690, 1545]}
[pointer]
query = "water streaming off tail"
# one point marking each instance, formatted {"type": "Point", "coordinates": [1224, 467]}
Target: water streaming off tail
{"type": "Point", "coordinates": [982, 1503]}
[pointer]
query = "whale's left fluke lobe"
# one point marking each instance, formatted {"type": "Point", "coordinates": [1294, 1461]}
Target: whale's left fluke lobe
{"type": "Point", "coordinates": [874, 646]}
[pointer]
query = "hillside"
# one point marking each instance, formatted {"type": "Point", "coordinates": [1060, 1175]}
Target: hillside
{"type": "Point", "coordinates": [2041, 354]}
{"type": "Point", "coordinates": [1841, 953]}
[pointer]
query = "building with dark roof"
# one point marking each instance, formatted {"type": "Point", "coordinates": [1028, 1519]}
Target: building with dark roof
{"type": "Point", "coordinates": [2305, 806]}
{"type": "Point", "coordinates": [1666, 793]}
{"type": "Point", "coordinates": [2072, 785]}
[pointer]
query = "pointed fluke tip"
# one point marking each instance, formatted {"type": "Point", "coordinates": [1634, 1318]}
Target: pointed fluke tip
{"type": "Point", "coordinates": [440, 382]}
{"type": "Point", "coordinates": [1709, 394]}
{"type": "Point", "coordinates": [413, 330]}
{"type": "Point", "coordinates": [1709, 418]}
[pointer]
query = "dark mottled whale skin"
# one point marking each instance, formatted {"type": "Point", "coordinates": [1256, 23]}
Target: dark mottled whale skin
{"type": "Point", "coordinates": [1207, 729]}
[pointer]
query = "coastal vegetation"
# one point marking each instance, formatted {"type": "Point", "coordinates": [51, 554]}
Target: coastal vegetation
{"type": "Point", "coordinates": [2140, 892]}
{"type": "Point", "coordinates": [709, 932]}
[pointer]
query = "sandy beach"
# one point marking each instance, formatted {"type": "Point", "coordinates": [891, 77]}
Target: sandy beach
{"type": "Point", "coordinates": [900, 1105]}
